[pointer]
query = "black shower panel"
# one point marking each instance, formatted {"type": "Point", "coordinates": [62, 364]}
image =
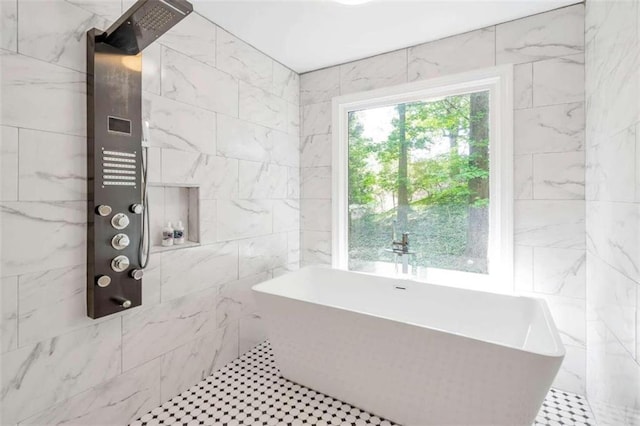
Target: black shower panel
{"type": "Point", "coordinates": [114, 166]}
{"type": "Point", "coordinates": [114, 177]}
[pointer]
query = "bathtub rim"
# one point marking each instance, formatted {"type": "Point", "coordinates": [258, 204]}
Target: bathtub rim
{"type": "Point", "coordinates": [559, 352]}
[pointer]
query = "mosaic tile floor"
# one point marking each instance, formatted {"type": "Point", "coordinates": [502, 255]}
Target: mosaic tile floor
{"type": "Point", "coordinates": [250, 391]}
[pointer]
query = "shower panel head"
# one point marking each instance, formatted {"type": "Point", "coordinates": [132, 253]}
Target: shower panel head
{"type": "Point", "coordinates": [144, 22]}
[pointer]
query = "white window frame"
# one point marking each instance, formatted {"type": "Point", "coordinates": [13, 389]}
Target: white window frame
{"type": "Point", "coordinates": [499, 82]}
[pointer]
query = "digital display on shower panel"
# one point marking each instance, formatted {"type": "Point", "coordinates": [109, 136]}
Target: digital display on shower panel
{"type": "Point", "coordinates": [119, 125]}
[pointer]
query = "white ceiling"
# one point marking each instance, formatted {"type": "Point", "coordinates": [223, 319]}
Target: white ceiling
{"type": "Point", "coordinates": [306, 35]}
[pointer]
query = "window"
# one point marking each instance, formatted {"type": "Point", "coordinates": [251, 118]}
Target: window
{"type": "Point", "coordinates": [432, 160]}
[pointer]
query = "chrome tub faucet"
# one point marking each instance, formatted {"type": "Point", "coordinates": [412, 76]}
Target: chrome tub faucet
{"type": "Point", "coordinates": [401, 247]}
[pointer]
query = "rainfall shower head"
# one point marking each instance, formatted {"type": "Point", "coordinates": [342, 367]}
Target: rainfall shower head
{"type": "Point", "coordinates": [144, 22]}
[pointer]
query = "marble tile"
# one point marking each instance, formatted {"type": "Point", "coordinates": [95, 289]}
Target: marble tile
{"type": "Point", "coordinates": [259, 106]}
{"type": "Point", "coordinates": [262, 180]}
{"type": "Point", "coordinates": [243, 61]}
{"type": "Point", "coordinates": [285, 149]}
{"type": "Point", "coordinates": [611, 165]}
{"type": "Point", "coordinates": [58, 91]}
{"type": "Point", "coordinates": [612, 87]}
{"type": "Point", "coordinates": [286, 215]}
{"type": "Point", "coordinates": [542, 223]}
{"type": "Point", "coordinates": [559, 272]}
{"type": "Point", "coordinates": [557, 128]}
{"type": "Point", "coordinates": [208, 221]}
{"type": "Point", "coordinates": [315, 215]}
{"type": "Point", "coordinates": [244, 218]}
{"type": "Point", "coordinates": [559, 176]}
{"type": "Point", "coordinates": [9, 305]}
{"type": "Point", "coordinates": [236, 298]}
{"type": "Point", "coordinates": [41, 236]}
{"type": "Point", "coordinates": [558, 80]}
{"type": "Point", "coordinates": [451, 55]}
{"type": "Point", "coordinates": [637, 324]}
{"type": "Point", "coordinates": [109, 9]}
{"type": "Point", "coordinates": [523, 177]}
{"type": "Point", "coordinates": [612, 382]}
{"type": "Point", "coordinates": [613, 298]}
{"type": "Point", "coordinates": [319, 86]}
{"type": "Point", "coordinates": [252, 332]}
{"type": "Point", "coordinates": [188, 364]}
{"type": "Point", "coordinates": [316, 248]}
{"type": "Point", "coordinates": [293, 119]}
{"type": "Point", "coordinates": [195, 37]}
{"type": "Point", "coordinates": [46, 373]}
{"type": "Point", "coordinates": [244, 140]}
{"type": "Point", "coordinates": [293, 249]}
{"type": "Point", "coordinates": [226, 346]}
{"type": "Point", "coordinates": [181, 167]}
{"type": "Point", "coordinates": [569, 316]}
{"type": "Point", "coordinates": [316, 151]}
{"type": "Point", "coordinates": [316, 182]}
{"type": "Point", "coordinates": [286, 84]}
{"type": "Point", "coordinates": [523, 86]}
{"type": "Point", "coordinates": [572, 374]}
{"type": "Point", "coordinates": [52, 166]}
{"type": "Point", "coordinates": [637, 161]}
{"type": "Point", "coordinates": [612, 234]}
{"type": "Point", "coordinates": [55, 31]}
{"type": "Point", "coordinates": [190, 81]}
{"type": "Point", "coordinates": [283, 270]}
{"type": "Point", "coordinates": [220, 179]}
{"type": "Point", "coordinates": [154, 171]}
{"type": "Point", "coordinates": [9, 162]}
{"type": "Point", "coordinates": [152, 281]}
{"type": "Point", "coordinates": [198, 268]}
{"type": "Point", "coordinates": [523, 269]}
{"type": "Point", "coordinates": [120, 400]}
{"type": "Point", "coordinates": [150, 332]}
{"type": "Point", "coordinates": [383, 70]}
{"type": "Point", "coordinates": [262, 253]}
{"type": "Point", "coordinates": [151, 69]}
{"type": "Point", "coordinates": [217, 177]}
{"type": "Point", "coordinates": [613, 80]}
{"type": "Point", "coordinates": [56, 297]}
{"type": "Point", "coordinates": [181, 126]}
{"type": "Point", "coordinates": [316, 119]}
{"type": "Point", "coordinates": [9, 25]}
{"type": "Point", "coordinates": [293, 183]}
{"type": "Point", "coordinates": [546, 35]}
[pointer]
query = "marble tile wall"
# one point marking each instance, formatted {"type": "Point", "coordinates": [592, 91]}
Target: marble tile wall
{"type": "Point", "coordinates": [547, 51]}
{"type": "Point", "coordinates": [613, 210]}
{"type": "Point", "coordinates": [225, 118]}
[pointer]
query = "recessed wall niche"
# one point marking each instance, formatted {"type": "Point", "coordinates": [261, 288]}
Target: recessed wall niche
{"type": "Point", "coordinates": [173, 203]}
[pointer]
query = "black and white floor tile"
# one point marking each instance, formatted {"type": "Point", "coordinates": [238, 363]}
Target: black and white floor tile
{"type": "Point", "coordinates": [250, 391]}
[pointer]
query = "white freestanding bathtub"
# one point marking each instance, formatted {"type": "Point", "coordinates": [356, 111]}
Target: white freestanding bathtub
{"type": "Point", "coordinates": [414, 353]}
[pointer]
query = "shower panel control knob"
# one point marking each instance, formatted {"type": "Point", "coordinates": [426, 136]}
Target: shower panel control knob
{"type": "Point", "coordinates": [103, 210]}
{"type": "Point", "coordinates": [120, 263]}
{"type": "Point", "coordinates": [120, 221]}
{"type": "Point", "coordinates": [125, 303]}
{"type": "Point", "coordinates": [136, 274]}
{"type": "Point", "coordinates": [136, 208]}
{"type": "Point", "coordinates": [103, 280]}
{"type": "Point", "coordinates": [120, 241]}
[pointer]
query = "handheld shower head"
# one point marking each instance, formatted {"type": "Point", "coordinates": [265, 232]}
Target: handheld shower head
{"type": "Point", "coordinates": [144, 22]}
